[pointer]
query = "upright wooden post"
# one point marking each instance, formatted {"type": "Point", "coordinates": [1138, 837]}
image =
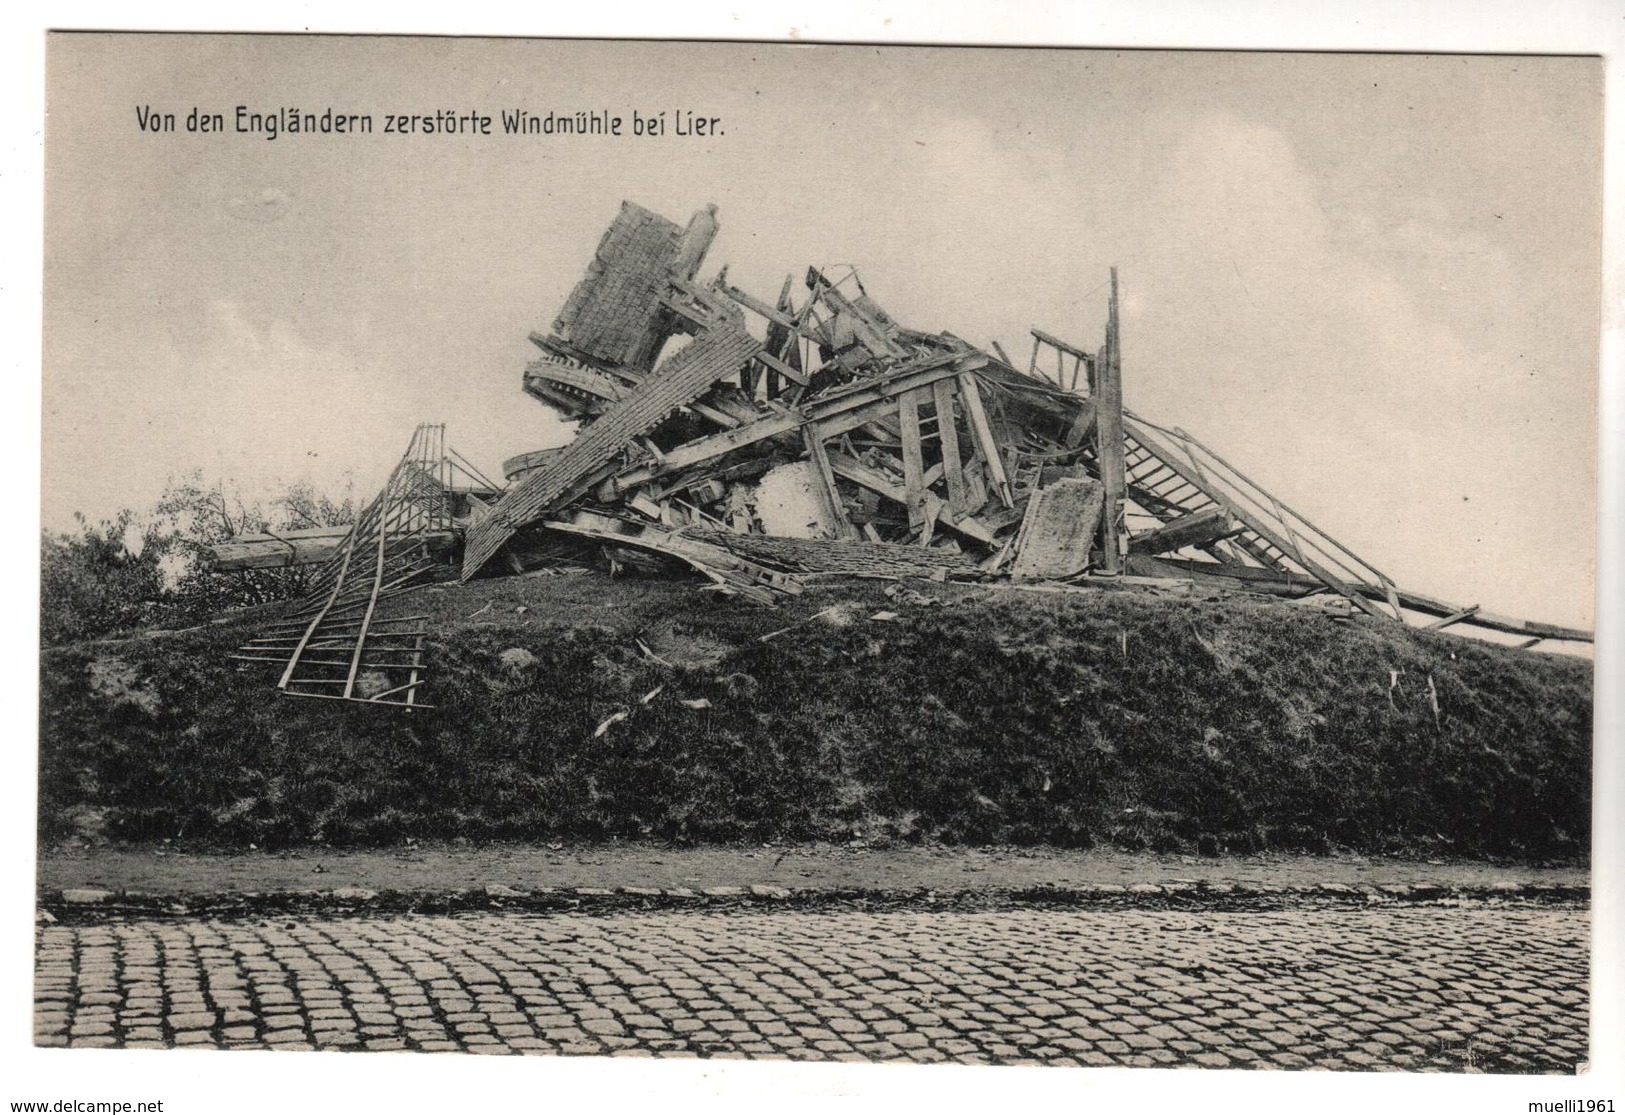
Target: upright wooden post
{"type": "Point", "coordinates": [1109, 439]}
{"type": "Point", "coordinates": [908, 416]}
{"type": "Point", "coordinates": [971, 395]}
{"type": "Point", "coordinates": [953, 466]}
{"type": "Point", "coordinates": [829, 495]}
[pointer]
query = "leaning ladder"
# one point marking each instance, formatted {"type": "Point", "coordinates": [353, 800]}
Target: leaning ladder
{"type": "Point", "coordinates": [335, 646]}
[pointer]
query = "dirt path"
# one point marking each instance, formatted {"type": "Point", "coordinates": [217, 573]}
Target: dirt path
{"type": "Point", "coordinates": [451, 867]}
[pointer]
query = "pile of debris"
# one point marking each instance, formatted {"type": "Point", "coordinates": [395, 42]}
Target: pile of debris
{"type": "Point", "coordinates": [762, 442]}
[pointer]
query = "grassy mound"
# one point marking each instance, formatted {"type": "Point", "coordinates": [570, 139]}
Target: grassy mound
{"type": "Point", "coordinates": [991, 716]}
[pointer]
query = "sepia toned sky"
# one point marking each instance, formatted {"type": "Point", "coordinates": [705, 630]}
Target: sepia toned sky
{"type": "Point", "coordinates": [1369, 281]}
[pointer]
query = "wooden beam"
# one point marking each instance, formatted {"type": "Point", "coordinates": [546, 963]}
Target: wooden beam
{"type": "Point", "coordinates": [974, 410]}
{"type": "Point", "coordinates": [1199, 529]}
{"type": "Point", "coordinates": [726, 421]}
{"type": "Point", "coordinates": [871, 415]}
{"type": "Point", "coordinates": [774, 364]}
{"type": "Point", "coordinates": [758, 306]}
{"type": "Point", "coordinates": [308, 546]}
{"type": "Point", "coordinates": [1224, 575]}
{"type": "Point", "coordinates": [953, 465]}
{"type": "Point", "coordinates": [782, 340]}
{"type": "Point", "coordinates": [1109, 440]}
{"type": "Point", "coordinates": [1527, 627]}
{"type": "Point", "coordinates": [1056, 342]}
{"type": "Point", "coordinates": [908, 417]}
{"type": "Point", "coordinates": [1453, 618]}
{"type": "Point", "coordinates": [1236, 571]}
{"type": "Point", "coordinates": [1082, 426]}
{"type": "Point", "coordinates": [708, 448]}
{"type": "Point", "coordinates": [827, 491]}
{"type": "Point", "coordinates": [756, 582]}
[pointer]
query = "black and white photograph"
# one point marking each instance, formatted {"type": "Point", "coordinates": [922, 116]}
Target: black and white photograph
{"type": "Point", "coordinates": [844, 555]}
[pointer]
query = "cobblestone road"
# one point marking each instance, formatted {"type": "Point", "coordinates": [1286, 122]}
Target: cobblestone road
{"type": "Point", "coordinates": [1477, 987]}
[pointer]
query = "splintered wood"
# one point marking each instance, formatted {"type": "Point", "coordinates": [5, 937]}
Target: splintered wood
{"type": "Point", "coordinates": [760, 441]}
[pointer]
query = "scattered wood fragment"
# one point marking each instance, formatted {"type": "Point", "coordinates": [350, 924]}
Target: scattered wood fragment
{"type": "Point", "coordinates": [810, 619]}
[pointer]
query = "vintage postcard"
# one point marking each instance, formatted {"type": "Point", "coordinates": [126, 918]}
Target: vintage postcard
{"type": "Point", "coordinates": [857, 554]}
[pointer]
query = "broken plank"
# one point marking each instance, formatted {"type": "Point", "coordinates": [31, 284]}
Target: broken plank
{"type": "Point", "coordinates": [774, 364]}
{"type": "Point", "coordinates": [1082, 425]}
{"type": "Point", "coordinates": [1453, 618]}
{"type": "Point", "coordinates": [709, 448]}
{"type": "Point", "coordinates": [977, 413]}
{"type": "Point", "coordinates": [1200, 528]}
{"type": "Point", "coordinates": [908, 417]}
{"type": "Point", "coordinates": [643, 505]}
{"type": "Point", "coordinates": [953, 466]}
{"type": "Point", "coordinates": [1056, 342]}
{"type": "Point", "coordinates": [1057, 529]}
{"type": "Point", "coordinates": [869, 332]}
{"type": "Point", "coordinates": [720, 565]}
{"type": "Point", "coordinates": [1109, 439]}
{"type": "Point", "coordinates": [830, 496]}
{"type": "Point", "coordinates": [781, 330]}
{"type": "Point", "coordinates": [712, 414]}
{"type": "Point", "coordinates": [757, 306]}
{"type": "Point", "coordinates": [1527, 627]}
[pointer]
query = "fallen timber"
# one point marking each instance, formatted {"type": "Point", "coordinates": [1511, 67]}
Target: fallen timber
{"type": "Point", "coordinates": [305, 546]}
{"type": "Point", "coordinates": [763, 441]}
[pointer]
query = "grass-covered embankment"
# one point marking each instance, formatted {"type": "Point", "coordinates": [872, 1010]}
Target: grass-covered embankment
{"type": "Point", "coordinates": [999, 716]}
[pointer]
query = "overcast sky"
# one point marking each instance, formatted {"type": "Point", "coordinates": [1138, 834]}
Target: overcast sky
{"type": "Point", "coordinates": [1369, 281]}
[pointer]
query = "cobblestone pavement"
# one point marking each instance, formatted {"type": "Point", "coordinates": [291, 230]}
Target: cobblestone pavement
{"type": "Point", "coordinates": [1479, 987]}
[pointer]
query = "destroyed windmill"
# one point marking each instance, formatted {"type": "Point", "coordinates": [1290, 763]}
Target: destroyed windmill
{"type": "Point", "coordinates": [923, 455]}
